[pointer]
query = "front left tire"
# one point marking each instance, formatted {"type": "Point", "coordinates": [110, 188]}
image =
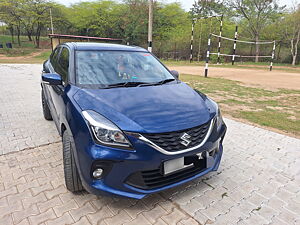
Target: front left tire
{"type": "Point", "coordinates": [72, 179]}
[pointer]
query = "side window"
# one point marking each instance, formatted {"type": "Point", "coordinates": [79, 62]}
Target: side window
{"type": "Point", "coordinates": [53, 57]}
{"type": "Point", "coordinates": [63, 62]}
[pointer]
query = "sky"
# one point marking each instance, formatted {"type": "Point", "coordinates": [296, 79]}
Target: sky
{"type": "Point", "coordinates": [187, 4]}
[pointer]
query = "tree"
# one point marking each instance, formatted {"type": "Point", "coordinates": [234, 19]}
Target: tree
{"type": "Point", "coordinates": [135, 21]}
{"type": "Point", "coordinates": [257, 15]}
{"type": "Point", "coordinates": [60, 18]}
{"type": "Point", "coordinates": [167, 19]}
{"type": "Point", "coordinates": [30, 15]}
{"type": "Point", "coordinates": [208, 7]}
{"type": "Point", "coordinates": [170, 27]}
{"type": "Point", "coordinates": [82, 16]}
{"type": "Point", "coordinates": [39, 10]}
{"type": "Point", "coordinates": [292, 32]}
{"type": "Point", "coordinates": [11, 15]}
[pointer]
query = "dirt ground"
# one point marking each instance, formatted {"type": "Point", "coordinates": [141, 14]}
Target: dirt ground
{"type": "Point", "coordinates": [266, 79]}
{"type": "Point", "coordinates": [29, 56]}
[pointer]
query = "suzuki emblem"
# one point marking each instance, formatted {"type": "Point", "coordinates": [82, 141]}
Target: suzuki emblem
{"type": "Point", "coordinates": [185, 139]}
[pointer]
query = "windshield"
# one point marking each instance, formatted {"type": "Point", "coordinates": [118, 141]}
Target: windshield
{"type": "Point", "coordinates": [108, 68]}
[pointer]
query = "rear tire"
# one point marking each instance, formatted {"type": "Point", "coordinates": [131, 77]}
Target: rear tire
{"type": "Point", "coordinates": [72, 179]}
{"type": "Point", "coordinates": [46, 110]}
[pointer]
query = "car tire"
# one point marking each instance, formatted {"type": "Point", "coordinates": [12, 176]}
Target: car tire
{"type": "Point", "coordinates": [72, 179]}
{"type": "Point", "coordinates": [46, 110]}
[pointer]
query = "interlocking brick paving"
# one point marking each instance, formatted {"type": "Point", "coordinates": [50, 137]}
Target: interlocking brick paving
{"type": "Point", "coordinates": [21, 122]}
{"type": "Point", "coordinates": [258, 181]}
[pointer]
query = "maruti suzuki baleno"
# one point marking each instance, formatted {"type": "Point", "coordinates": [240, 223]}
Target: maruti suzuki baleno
{"type": "Point", "coordinates": [129, 126]}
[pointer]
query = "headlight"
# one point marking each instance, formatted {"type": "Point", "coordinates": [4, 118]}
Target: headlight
{"type": "Point", "coordinates": [219, 119]}
{"type": "Point", "coordinates": [104, 130]}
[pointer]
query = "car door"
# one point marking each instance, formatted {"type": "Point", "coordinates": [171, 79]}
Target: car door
{"type": "Point", "coordinates": [48, 68]}
{"type": "Point", "coordinates": [58, 95]}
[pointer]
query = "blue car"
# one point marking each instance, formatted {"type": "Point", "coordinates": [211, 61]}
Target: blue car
{"type": "Point", "coordinates": [129, 126]}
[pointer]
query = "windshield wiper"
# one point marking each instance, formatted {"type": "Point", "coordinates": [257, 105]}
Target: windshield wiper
{"type": "Point", "coordinates": [166, 81]}
{"type": "Point", "coordinates": [138, 84]}
{"type": "Point", "coordinates": [157, 83]}
{"type": "Point", "coordinates": [125, 84]}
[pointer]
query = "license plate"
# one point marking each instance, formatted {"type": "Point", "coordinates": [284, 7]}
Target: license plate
{"type": "Point", "coordinates": [173, 165]}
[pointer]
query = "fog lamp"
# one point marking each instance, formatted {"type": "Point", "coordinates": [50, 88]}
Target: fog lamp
{"type": "Point", "coordinates": [97, 173]}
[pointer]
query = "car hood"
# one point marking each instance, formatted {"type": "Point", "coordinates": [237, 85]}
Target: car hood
{"type": "Point", "coordinates": [148, 109]}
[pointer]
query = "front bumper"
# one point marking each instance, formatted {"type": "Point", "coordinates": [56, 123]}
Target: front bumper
{"type": "Point", "coordinates": [122, 165]}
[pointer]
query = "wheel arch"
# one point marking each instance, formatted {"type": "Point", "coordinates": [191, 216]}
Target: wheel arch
{"type": "Point", "coordinates": [63, 128]}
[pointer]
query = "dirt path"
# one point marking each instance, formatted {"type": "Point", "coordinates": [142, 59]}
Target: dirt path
{"type": "Point", "coordinates": [267, 79]}
{"type": "Point", "coordinates": [31, 55]}
{"type": "Point", "coordinates": [266, 67]}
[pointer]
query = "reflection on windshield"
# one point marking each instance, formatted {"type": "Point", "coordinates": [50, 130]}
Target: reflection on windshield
{"type": "Point", "coordinates": [114, 67]}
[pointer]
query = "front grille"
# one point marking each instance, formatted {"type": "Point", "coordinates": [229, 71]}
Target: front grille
{"type": "Point", "coordinates": [151, 179]}
{"type": "Point", "coordinates": [171, 141]}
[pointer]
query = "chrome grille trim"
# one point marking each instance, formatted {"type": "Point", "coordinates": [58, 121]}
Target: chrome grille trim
{"type": "Point", "coordinates": [142, 138]}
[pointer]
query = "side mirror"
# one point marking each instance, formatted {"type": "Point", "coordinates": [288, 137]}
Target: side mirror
{"type": "Point", "coordinates": [51, 79]}
{"type": "Point", "coordinates": [175, 74]}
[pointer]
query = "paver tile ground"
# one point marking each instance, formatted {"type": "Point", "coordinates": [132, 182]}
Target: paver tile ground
{"type": "Point", "coordinates": [258, 181]}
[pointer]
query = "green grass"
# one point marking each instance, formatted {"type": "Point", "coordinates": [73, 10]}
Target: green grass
{"type": "Point", "coordinates": [272, 118]}
{"type": "Point", "coordinates": [15, 52]}
{"type": "Point", "coordinates": [256, 209]}
{"type": "Point", "coordinates": [23, 61]}
{"type": "Point", "coordinates": [182, 63]}
{"type": "Point", "coordinates": [232, 102]}
{"type": "Point", "coordinates": [224, 195]}
{"type": "Point", "coordinates": [26, 49]}
{"type": "Point", "coordinates": [275, 109]}
{"type": "Point", "coordinates": [44, 55]}
{"type": "Point", "coordinates": [24, 41]}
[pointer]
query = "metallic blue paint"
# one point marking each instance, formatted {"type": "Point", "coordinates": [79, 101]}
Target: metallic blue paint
{"type": "Point", "coordinates": [147, 109]}
{"type": "Point", "coordinates": [52, 79]}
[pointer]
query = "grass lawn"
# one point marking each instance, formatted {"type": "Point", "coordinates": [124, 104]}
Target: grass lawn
{"type": "Point", "coordinates": [279, 110]}
{"type": "Point", "coordinates": [15, 52]}
{"type": "Point", "coordinates": [44, 55]}
{"type": "Point", "coordinates": [24, 41]}
{"type": "Point", "coordinates": [23, 61]}
{"type": "Point", "coordinates": [35, 59]}
{"type": "Point", "coordinates": [26, 48]}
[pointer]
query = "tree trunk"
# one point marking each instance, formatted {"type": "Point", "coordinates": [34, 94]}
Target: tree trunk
{"type": "Point", "coordinates": [37, 41]}
{"type": "Point", "coordinates": [18, 34]}
{"type": "Point", "coordinates": [256, 48]}
{"type": "Point", "coordinates": [29, 33]}
{"type": "Point", "coordinates": [11, 30]}
{"type": "Point", "coordinates": [294, 60]}
{"type": "Point", "coordinates": [37, 35]}
{"type": "Point", "coordinates": [294, 48]}
{"type": "Point", "coordinates": [278, 52]}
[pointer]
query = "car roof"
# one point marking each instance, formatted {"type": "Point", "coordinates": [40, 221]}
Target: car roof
{"type": "Point", "coordinates": [103, 46]}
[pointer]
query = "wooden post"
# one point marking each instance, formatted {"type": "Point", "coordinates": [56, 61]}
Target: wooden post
{"type": "Point", "coordinates": [192, 39]}
{"type": "Point", "coordinates": [220, 35]}
{"type": "Point", "coordinates": [207, 56]}
{"type": "Point", "coordinates": [273, 55]}
{"type": "Point", "coordinates": [150, 24]}
{"type": "Point", "coordinates": [234, 44]}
